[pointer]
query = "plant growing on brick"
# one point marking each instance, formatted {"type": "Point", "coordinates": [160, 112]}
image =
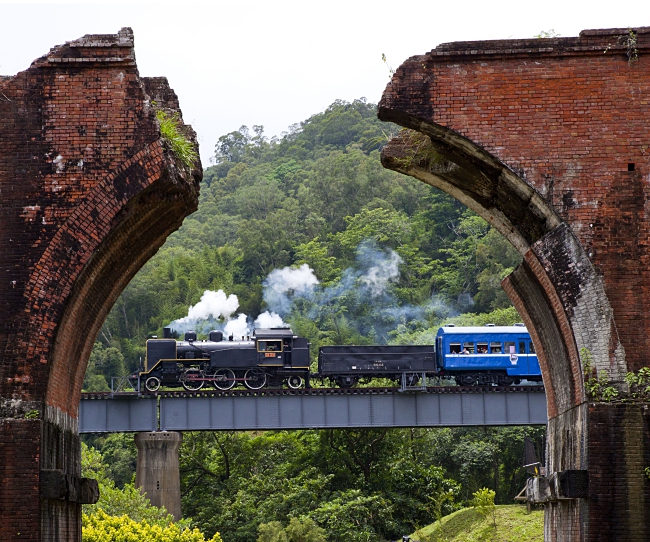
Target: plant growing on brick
{"type": "Point", "coordinates": [639, 383]}
{"type": "Point", "coordinates": [171, 134]}
{"type": "Point", "coordinates": [418, 150]}
{"type": "Point", "coordinates": [629, 40]}
{"type": "Point", "coordinates": [598, 386]}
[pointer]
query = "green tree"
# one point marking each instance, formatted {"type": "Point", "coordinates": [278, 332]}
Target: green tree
{"type": "Point", "coordinates": [356, 517]}
{"type": "Point", "coordinates": [102, 527]}
{"type": "Point", "coordinates": [302, 529]}
{"type": "Point", "coordinates": [483, 501]}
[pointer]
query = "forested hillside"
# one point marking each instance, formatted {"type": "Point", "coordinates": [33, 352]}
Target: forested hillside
{"type": "Point", "coordinates": [311, 229]}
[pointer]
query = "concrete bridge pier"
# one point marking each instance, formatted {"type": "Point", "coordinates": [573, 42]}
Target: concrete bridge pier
{"type": "Point", "coordinates": [157, 471]}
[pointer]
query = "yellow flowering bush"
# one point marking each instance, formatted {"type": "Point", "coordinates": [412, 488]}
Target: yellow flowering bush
{"type": "Point", "coordinates": [100, 527]}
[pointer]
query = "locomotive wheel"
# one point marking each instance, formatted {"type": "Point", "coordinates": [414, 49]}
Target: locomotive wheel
{"type": "Point", "coordinates": [254, 379]}
{"type": "Point", "coordinates": [152, 383]}
{"type": "Point", "coordinates": [294, 382]}
{"type": "Point", "coordinates": [224, 379]}
{"type": "Point", "coordinates": [190, 384]}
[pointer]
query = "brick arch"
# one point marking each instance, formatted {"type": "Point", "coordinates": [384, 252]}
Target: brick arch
{"type": "Point", "coordinates": [555, 289]}
{"type": "Point", "coordinates": [89, 193]}
{"type": "Point", "coordinates": [554, 267]}
{"type": "Point", "coordinates": [119, 226]}
{"type": "Point", "coordinates": [546, 139]}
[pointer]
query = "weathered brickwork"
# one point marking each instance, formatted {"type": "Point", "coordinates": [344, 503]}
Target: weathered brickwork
{"type": "Point", "coordinates": [619, 453]}
{"type": "Point", "coordinates": [89, 192]}
{"type": "Point", "coordinates": [19, 480]}
{"type": "Point", "coordinates": [546, 139]}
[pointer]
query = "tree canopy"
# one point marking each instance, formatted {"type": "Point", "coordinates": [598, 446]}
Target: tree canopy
{"type": "Point", "coordinates": [311, 226]}
{"type": "Point", "coordinates": [319, 196]}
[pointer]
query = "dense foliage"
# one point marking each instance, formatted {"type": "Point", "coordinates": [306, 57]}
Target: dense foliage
{"type": "Point", "coordinates": [381, 258]}
{"type": "Point", "coordinates": [316, 196]}
{"type": "Point", "coordinates": [101, 527]}
{"type": "Point", "coordinates": [125, 514]}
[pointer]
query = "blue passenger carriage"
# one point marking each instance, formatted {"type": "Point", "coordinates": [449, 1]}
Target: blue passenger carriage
{"type": "Point", "coordinates": [486, 355]}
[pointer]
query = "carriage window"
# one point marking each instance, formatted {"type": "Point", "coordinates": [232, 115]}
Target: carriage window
{"type": "Point", "coordinates": [481, 348]}
{"type": "Point", "coordinates": [269, 346]}
{"type": "Point", "coordinates": [468, 348]}
{"type": "Point", "coordinates": [454, 348]}
{"type": "Point", "coordinates": [510, 347]}
{"type": "Point", "coordinates": [522, 347]}
{"type": "Point", "coordinates": [496, 348]}
{"type": "Point", "coordinates": [531, 347]}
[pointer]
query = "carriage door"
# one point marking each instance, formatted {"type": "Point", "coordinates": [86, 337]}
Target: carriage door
{"type": "Point", "coordinates": [523, 349]}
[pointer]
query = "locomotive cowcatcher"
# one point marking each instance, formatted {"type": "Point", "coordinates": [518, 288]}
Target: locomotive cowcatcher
{"type": "Point", "coordinates": [270, 356]}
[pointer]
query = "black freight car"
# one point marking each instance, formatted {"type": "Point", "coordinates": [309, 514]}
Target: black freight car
{"type": "Point", "coordinates": [405, 364]}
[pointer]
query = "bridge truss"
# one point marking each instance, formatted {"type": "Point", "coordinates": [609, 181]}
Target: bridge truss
{"type": "Point", "coordinates": [316, 408]}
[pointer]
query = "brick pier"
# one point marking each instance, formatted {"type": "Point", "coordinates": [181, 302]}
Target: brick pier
{"type": "Point", "coordinates": [88, 193]}
{"type": "Point", "coordinates": [547, 140]}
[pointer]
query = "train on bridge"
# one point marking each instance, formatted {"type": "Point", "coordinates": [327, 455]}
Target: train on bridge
{"type": "Point", "coordinates": [496, 355]}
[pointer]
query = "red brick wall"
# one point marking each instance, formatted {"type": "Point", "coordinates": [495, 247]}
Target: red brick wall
{"type": "Point", "coordinates": [89, 193]}
{"type": "Point", "coordinates": [568, 118]}
{"type": "Point", "coordinates": [19, 480]}
{"type": "Point", "coordinates": [619, 453]}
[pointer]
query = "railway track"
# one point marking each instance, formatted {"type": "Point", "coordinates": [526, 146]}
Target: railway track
{"type": "Point", "coordinates": [270, 392]}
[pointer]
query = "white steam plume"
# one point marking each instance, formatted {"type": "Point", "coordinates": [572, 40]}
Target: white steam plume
{"type": "Point", "coordinates": [212, 305]}
{"type": "Point", "coordinates": [238, 327]}
{"type": "Point", "coordinates": [208, 313]}
{"type": "Point", "coordinates": [268, 320]}
{"type": "Point", "coordinates": [282, 284]}
{"type": "Point", "coordinates": [383, 271]}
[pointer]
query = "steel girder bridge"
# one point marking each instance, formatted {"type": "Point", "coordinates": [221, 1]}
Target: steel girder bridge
{"type": "Point", "coordinates": [316, 408]}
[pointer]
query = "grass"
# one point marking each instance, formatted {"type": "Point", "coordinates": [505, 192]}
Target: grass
{"type": "Point", "coordinates": [514, 524]}
{"type": "Point", "coordinates": [180, 146]}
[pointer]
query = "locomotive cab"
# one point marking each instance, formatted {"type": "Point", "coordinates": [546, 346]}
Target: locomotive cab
{"type": "Point", "coordinates": [278, 347]}
{"type": "Point", "coordinates": [284, 356]}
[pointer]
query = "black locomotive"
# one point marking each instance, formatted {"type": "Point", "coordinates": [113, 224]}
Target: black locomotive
{"type": "Point", "coordinates": [269, 357]}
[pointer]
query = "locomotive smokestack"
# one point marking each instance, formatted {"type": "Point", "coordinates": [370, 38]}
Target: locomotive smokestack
{"type": "Point", "coordinates": [167, 333]}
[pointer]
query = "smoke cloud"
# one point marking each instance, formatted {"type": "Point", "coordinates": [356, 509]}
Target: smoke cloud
{"type": "Point", "coordinates": [282, 285]}
{"type": "Point", "coordinates": [268, 320]}
{"type": "Point", "coordinates": [363, 296]}
{"type": "Point", "coordinates": [238, 327]}
{"type": "Point", "coordinates": [382, 268]}
{"type": "Point", "coordinates": [212, 305]}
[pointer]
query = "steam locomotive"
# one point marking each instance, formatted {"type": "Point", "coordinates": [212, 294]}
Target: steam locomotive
{"type": "Point", "coordinates": [276, 357]}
